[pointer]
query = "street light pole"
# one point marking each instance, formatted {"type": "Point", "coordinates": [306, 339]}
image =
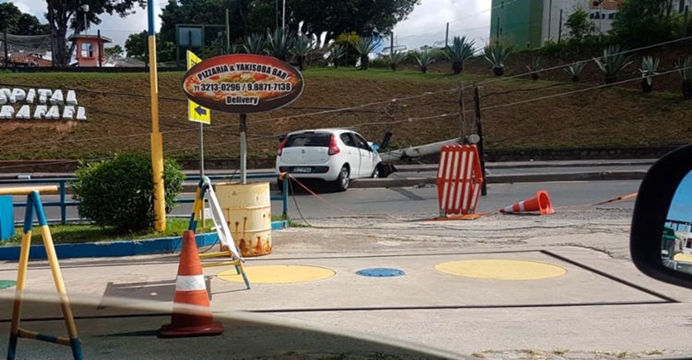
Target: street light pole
{"type": "Point", "coordinates": [283, 18]}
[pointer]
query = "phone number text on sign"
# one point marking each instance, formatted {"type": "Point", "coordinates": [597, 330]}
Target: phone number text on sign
{"type": "Point", "coordinates": [239, 87]}
{"type": "Point", "coordinates": [243, 83]}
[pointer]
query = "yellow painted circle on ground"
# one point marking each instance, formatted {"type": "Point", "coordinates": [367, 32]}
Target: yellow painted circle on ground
{"type": "Point", "coordinates": [278, 274]}
{"type": "Point", "coordinates": [683, 257]}
{"type": "Point", "coordinates": [501, 269]}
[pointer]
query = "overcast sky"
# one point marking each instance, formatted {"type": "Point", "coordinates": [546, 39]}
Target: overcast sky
{"type": "Point", "coordinates": [425, 25]}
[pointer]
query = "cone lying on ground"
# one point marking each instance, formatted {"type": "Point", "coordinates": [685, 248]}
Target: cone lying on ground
{"type": "Point", "coordinates": [540, 202]}
{"type": "Point", "coordinates": [192, 314]}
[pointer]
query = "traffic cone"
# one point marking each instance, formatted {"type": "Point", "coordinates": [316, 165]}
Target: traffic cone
{"type": "Point", "coordinates": [540, 202]}
{"type": "Point", "coordinates": [192, 314]}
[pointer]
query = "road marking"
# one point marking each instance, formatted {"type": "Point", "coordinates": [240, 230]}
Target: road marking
{"type": "Point", "coordinates": [408, 194]}
{"type": "Point", "coordinates": [497, 269]}
{"type": "Point", "coordinates": [278, 274]}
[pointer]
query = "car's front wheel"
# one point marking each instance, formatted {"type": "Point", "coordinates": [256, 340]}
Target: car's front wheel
{"type": "Point", "coordinates": [376, 172]}
{"type": "Point", "coordinates": [342, 181]}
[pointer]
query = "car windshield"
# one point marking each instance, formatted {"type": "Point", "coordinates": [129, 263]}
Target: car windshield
{"type": "Point", "coordinates": [309, 140]}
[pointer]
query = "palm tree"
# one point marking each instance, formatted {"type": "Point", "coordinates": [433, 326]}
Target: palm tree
{"type": "Point", "coordinates": [254, 44]}
{"type": "Point", "coordinates": [648, 70]}
{"type": "Point", "coordinates": [279, 43]}
{"type": "Point", "coordinates": [337, 52]}
{"type": "Point", "coordinates": [395, 59]}
{"type": "Point", "coordinates": [460, 51]}
{"type": "Point", "coordinates": [535, 67]}
{"type": "Point", "coordinates": [364, 48]}
{"type": "Point", "coordinates": [423, 59]}
{"type": "Point", "coordinates": [613, 62]}
{"type": "Point", "coordinates": [301, 48]}
{"type": "Point", "coordinates": [497, 56]}
{"type": "Point", "coordinates": [574, 70]}
{"type": "Point", "coordinates": [685, 71]}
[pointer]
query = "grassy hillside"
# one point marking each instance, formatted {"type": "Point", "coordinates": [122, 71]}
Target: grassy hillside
{"type": "Point", "coordinates": [119, 115]}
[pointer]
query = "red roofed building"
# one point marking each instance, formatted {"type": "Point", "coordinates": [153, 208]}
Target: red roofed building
{"type": "Point", "coordinates": [89, 49]}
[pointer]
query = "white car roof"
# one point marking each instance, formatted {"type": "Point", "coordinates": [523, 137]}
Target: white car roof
{"type": "Point", "coordinates": [329, 130]}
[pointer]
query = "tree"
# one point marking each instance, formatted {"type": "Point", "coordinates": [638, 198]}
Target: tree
{"type": "Point", "coordinates": [460, 51]}
{"type": "Point", "coordinates": [64, 15]}
{"type": "Point", "coordinates": [211, 12]}
{"type": "Point", "coordinates": [13, 21]}
{"type": "Point", "coordinates": [641, 22]}
{"type": "Point", "coordinates": [116, 51]}
{"type": "Point", "coordinates": [579, 25]}
{"type": "Point", "coordinates": [137, 46]}
{"type": "Point", "coordinates": [366, 17]}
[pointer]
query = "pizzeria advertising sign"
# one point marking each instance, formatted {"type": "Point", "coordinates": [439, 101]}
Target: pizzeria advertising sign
{"type": "Point", "coordinates": [243, 83]}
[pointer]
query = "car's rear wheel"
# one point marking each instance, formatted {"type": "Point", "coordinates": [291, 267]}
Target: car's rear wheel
{"type": "Point", "coordinates": [343, 181]}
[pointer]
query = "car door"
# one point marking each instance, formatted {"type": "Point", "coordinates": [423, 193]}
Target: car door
{"type": "Point", "coordinates": [367, 156]}
{"type": "Point", "coordinates": [352, 153]}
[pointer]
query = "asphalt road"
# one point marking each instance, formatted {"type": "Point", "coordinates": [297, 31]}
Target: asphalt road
{"type": "Point", "coordinates": [413, 202]}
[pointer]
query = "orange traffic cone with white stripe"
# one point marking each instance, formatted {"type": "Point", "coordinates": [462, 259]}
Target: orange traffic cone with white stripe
{"type": "Point", "coordinates": [192, 314]}
{"type": "Point", "coordinates": [540, 202]}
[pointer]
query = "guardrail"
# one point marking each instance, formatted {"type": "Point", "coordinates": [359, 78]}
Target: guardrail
{"type": "Point", "coordinates": [63, 184]}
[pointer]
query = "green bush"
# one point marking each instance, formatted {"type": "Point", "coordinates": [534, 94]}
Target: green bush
{"type": "Point", "coordinates": [119, 192]}
{"type": "Point", "coordinates": [379, 63]}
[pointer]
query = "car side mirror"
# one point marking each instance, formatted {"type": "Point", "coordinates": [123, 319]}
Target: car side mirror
{"type": "Point", "coordinates": [661, 231]}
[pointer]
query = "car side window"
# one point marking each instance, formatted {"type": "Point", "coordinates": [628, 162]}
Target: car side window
{"type": "Point", "coordinates": [347, 139]}
{"type": "Point", "coordinates": [362, 143]}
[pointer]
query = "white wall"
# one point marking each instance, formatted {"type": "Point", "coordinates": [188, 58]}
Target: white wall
{"type": "Point", "coordinates": [551, 19]}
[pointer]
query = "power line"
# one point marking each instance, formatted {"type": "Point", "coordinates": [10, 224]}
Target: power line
{"type": "Point", "coordinates": [600, 57]}
{"type": "Point", "coordinates": [330, 111]}
{"type": "Point", "coordinates": [580, 90]}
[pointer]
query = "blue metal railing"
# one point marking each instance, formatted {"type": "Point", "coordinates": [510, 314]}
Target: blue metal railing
{"type": "Point", "coordinates": [63, 184]}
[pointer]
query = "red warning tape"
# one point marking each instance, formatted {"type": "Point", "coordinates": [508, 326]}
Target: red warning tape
{"type": "Point", "coordinates": [321, 198]}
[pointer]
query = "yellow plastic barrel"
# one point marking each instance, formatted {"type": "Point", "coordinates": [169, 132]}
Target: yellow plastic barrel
{"type": "Point", "coordinates": [247, 209]}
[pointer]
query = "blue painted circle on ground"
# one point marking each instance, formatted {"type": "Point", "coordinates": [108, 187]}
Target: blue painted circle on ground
{"type": "Point", "coordinates": [380, 272]}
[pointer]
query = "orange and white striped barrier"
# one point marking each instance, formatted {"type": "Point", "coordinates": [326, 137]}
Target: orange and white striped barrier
{"type": "Point", "coordinates": [459, 180]}
{"type": "Point", "coordinates": [192, 314]}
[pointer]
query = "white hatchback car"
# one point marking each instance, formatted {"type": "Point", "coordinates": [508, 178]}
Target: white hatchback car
{"type": "Point", "coordinates": [332, 155]}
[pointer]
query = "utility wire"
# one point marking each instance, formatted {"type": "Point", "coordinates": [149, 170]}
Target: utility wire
{"type": "Point", "coordinates": [332, 111]}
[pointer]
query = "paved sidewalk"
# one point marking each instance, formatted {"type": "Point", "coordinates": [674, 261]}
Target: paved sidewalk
{"type": "Point", "coordinates": [590, 304]}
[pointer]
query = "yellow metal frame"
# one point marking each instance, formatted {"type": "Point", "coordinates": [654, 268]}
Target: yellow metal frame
{"type": "Point", "coordinates": [197, 212]}
{"type": "Point", "coordinates": [33, 204]}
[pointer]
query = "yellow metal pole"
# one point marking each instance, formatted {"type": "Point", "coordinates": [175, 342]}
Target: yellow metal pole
{"type": "Point", "coordinates": [21, 282]}
{"type": "Point", "coordinates": [156, 138]}
{"type": "Point", "coordinates": [59, 284]}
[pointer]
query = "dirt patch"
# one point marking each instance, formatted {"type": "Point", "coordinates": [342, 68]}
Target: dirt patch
{"type": "Point", "coordinates": [518, 114]}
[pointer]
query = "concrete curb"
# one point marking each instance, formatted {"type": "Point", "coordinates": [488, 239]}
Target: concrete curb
{"type": "Point", "coordinates": [510, 178]}
{"type": "Point", "coordinates": [535, 164]}
{"type": "Point", "coordinates": [117, 248]}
